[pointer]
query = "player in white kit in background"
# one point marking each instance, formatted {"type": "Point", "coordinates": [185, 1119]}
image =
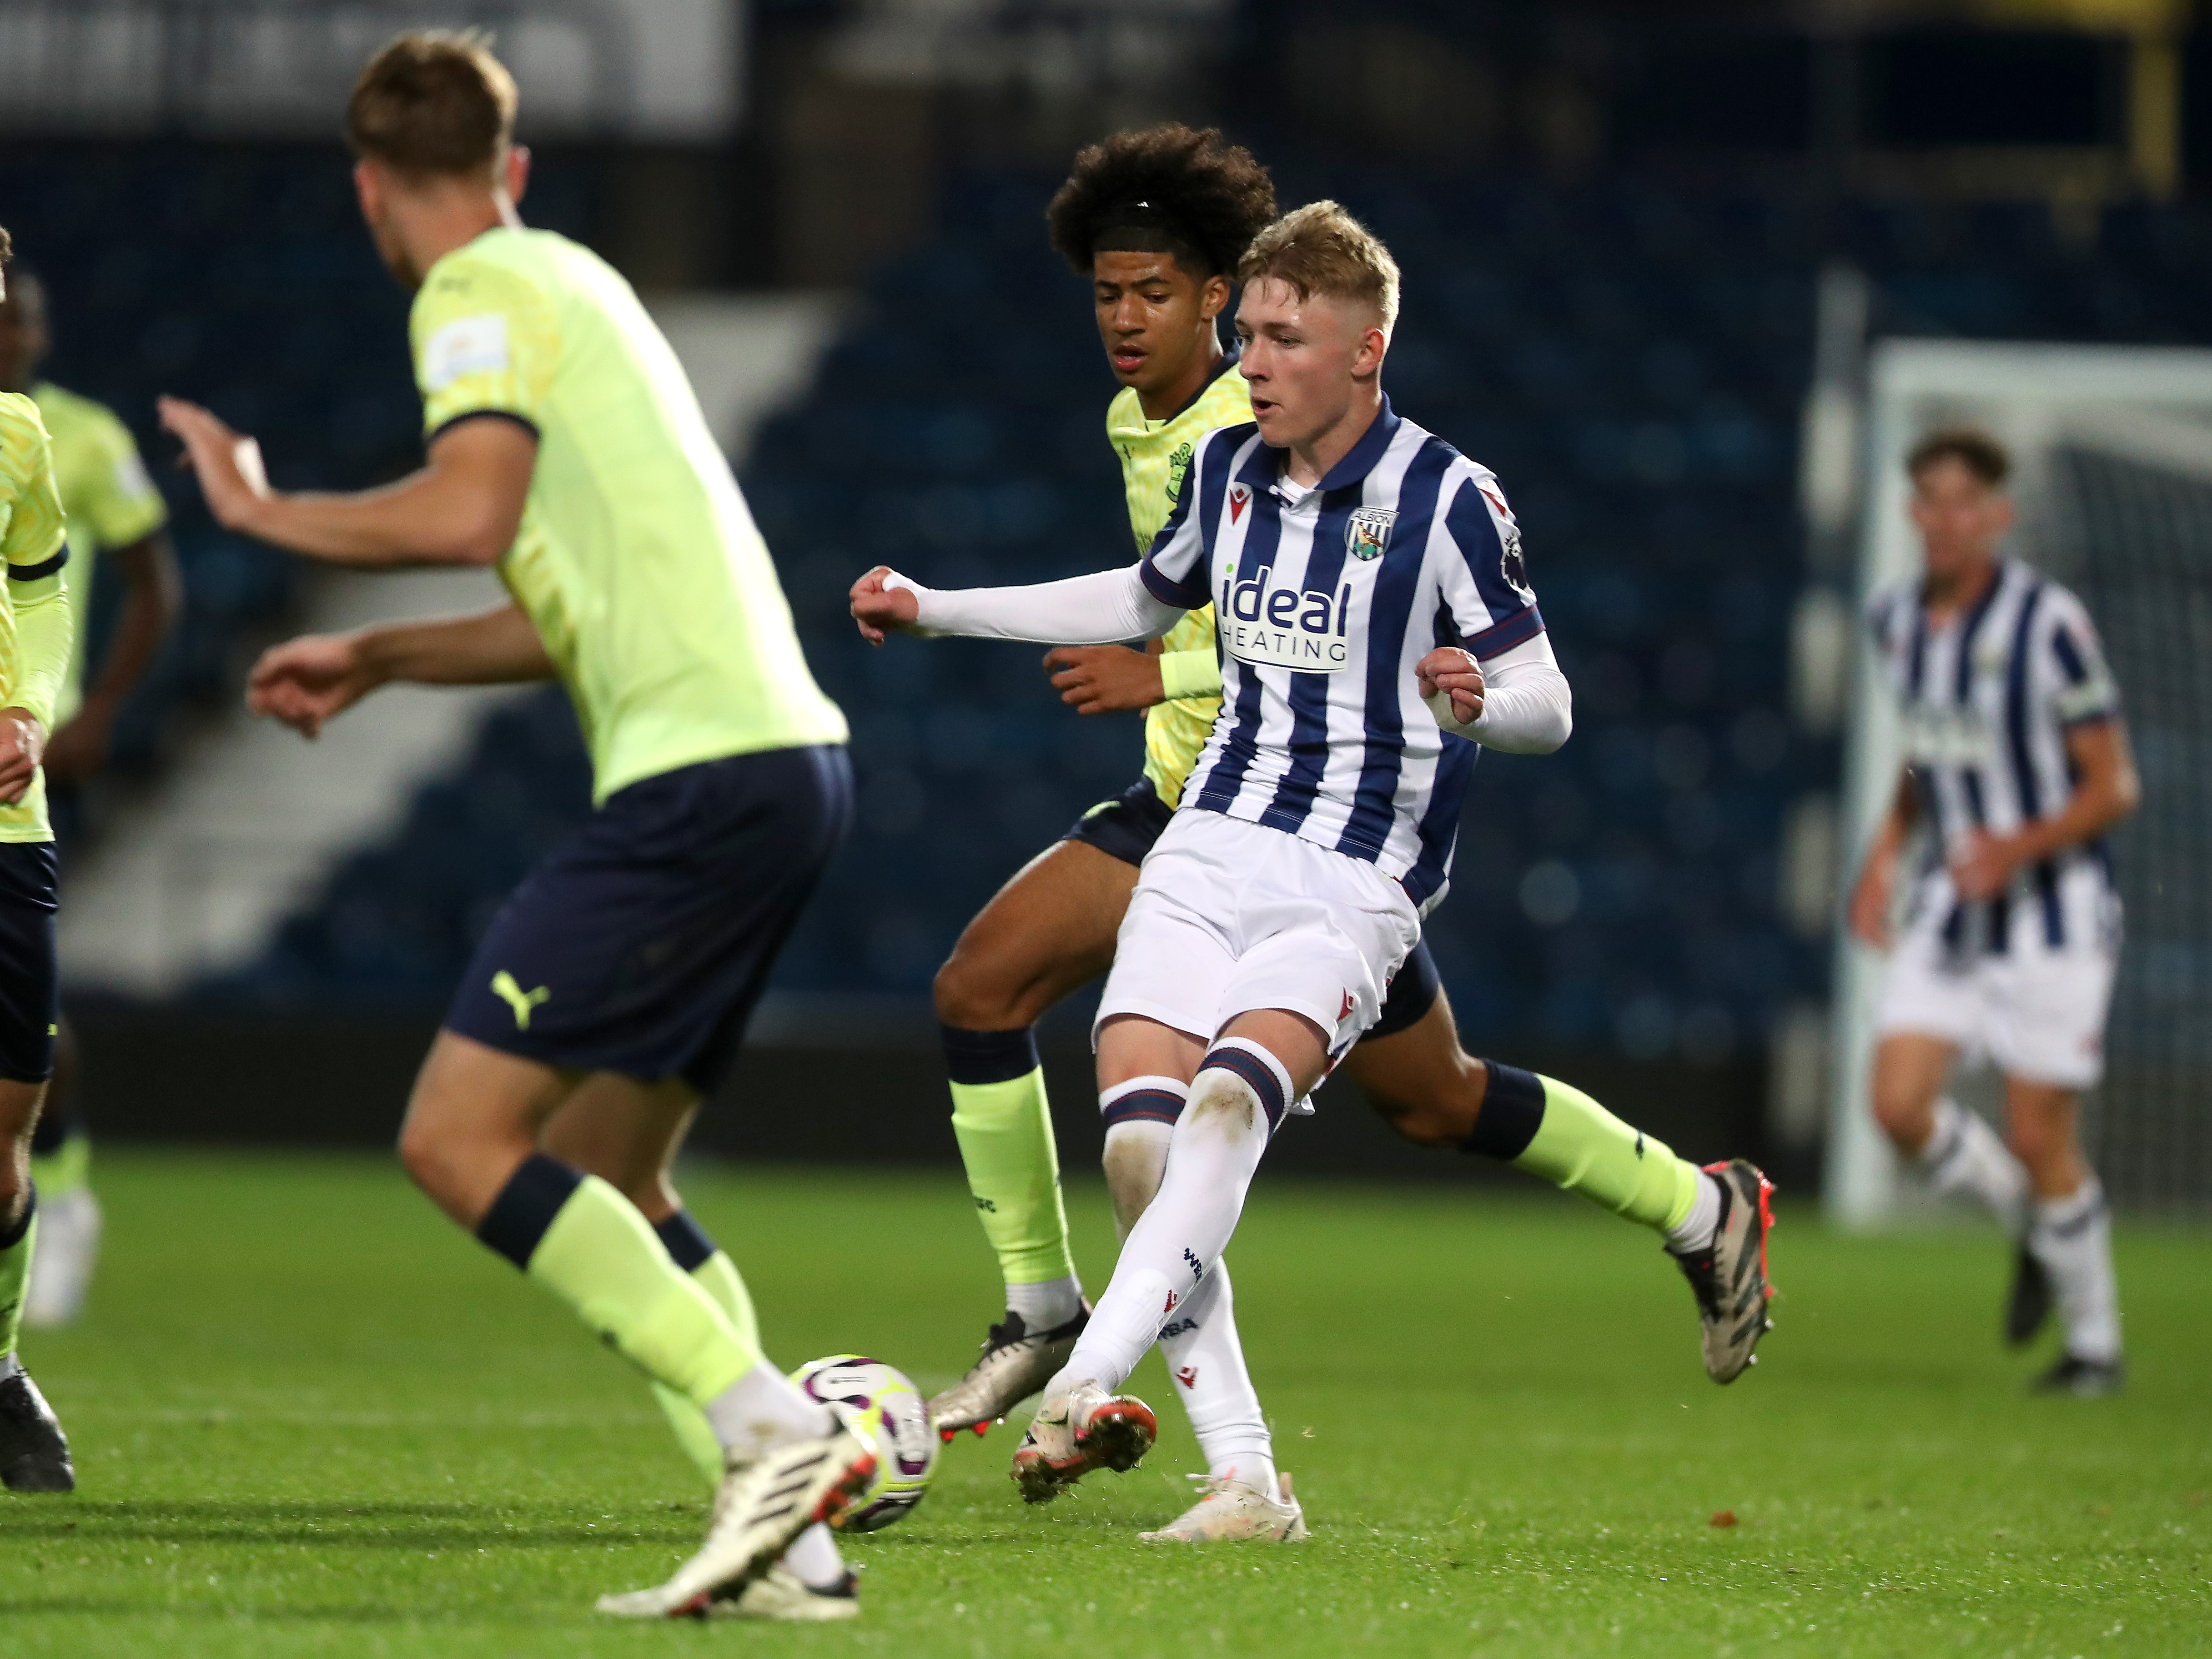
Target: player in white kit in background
{"type": "Point", "coordinates": [1374, 610]}
{"type": "Point", "coordinates": [2016, 763]}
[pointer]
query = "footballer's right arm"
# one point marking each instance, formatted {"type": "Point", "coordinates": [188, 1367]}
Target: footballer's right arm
{"type": "Point", "coordinates": [1102, 609]}
{"type": "Point", "coordinates": [1873, 895]}
{"type": "Point", "coordinates": [305, 682]}
{"type": "Point", "coordinates": [462, 507]}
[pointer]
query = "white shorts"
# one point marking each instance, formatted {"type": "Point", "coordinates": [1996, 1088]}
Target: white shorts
{"type": "Point", "coordinates": [1230, 916]}
{"type": "Point", "coordinates": [2035, 1011]}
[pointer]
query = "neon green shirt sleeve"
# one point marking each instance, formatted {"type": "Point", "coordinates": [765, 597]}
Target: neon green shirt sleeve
{"type": "Point", "coordinates": [118, 502]}
{"type": "Point", "coordinates": [45, 636]}
{"type": "Point", "coordinates": [36, 545]}
{"type": "Point", "coordinates": [1190, 674]}
{"type": "Point", "coordinates": [485, 341]}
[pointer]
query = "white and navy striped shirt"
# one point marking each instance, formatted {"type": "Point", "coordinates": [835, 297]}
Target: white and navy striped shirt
{"type": "Point", "coordinates": [1326, 600]}
{"type": "Point", "coordinates": [1987, 699]}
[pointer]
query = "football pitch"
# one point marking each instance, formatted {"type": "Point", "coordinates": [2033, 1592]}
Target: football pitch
{"type": "Point", "coordinates": [309, 1419]}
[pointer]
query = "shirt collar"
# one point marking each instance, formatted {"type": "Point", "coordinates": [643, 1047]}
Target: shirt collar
{"type": "Point", "coordinates": [1229, 361]}
{"type": "Point", "coordinates": [1265, 468]}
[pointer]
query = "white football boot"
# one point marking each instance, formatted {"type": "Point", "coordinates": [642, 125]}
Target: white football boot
{"type": "Point", "coordinates": [781, 1593]}
{"type": "Point", "coordinates": [758, 1510]}
{"type": "Point", "coordinates": [1083, 1430]}
{"type": "Point", "coordinates": [61, 1268]}
{"type": "Point", "coordinates": [1016, 1361]}
{"type": "Point", "coordinates": [1229, 1511]}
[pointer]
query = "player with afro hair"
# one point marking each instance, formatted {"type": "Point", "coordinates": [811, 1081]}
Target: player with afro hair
{"type": "Point", "coordinates": [1170, 189]}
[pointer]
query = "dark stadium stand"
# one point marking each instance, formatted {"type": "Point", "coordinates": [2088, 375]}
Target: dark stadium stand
{"type": "Point", "coordinates": [1629, 356]}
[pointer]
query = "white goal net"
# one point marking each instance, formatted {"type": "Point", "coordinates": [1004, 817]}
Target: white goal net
{"type": "Point", "coordinates": [2112, 450]}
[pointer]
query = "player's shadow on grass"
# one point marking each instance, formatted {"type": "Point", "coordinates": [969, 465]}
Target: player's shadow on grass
{"type": "Point", "coordinates": [342, 1526]}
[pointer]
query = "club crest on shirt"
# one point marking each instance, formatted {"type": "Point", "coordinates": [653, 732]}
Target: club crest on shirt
{"type": "Point", "coordinates": [1178, 464]}
{"type": "Point", "coordinates": [1367, 532]}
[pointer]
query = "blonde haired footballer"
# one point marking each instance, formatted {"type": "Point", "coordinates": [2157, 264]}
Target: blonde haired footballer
{"type": "Point", "coordinates": [566, 449]}
{"type": "Point", "coordinates": [36, 641]}
{"type": "Point", "coordinates": [1277, 907]}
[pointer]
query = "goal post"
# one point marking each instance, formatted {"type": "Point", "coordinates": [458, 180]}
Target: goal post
{"type": "Point", "coordinates": [2112, 455]}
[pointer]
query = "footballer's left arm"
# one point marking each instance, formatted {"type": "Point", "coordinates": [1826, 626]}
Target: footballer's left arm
{"type": "Point", "coordinates": [1518, 702]}
{"type": "Point", "coordinates": [2107, 789]}
{"type": "Point", "coordinates": [463, 507]}
{"type": "Point", "coordinates": [152, 594]}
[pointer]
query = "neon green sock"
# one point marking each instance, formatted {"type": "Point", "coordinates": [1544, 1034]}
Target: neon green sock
{"type": "Point", "coordinates": [719, 1277]}
{"type": "Point", "coordinates": [1581, 1146]}
{"type": "Point", "coordinates": [1005, 1131]}
{"type": "Point", "coordinates": [602, 1257]}
{"type": "Point", "coordinates": [66, 1169]}
{"type": "Point", "coordinates": [15, 1273]}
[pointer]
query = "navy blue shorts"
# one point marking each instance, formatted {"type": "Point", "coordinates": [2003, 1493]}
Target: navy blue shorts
{"type": "Point", "coordinates": [642, 942]}
{"type": "Point", "coordinates": [30, 985]}
{"type": "Point", "coordinates": [1126, 827]}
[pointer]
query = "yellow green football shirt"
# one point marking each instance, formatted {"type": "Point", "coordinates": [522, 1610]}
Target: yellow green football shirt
{"type": "Point", "coordinates": [34, 540]}
{"type": "Point", "coordinates": [637, 559]}
{"type": "Point", "coordinates": [107, 498]}
{"type": "Point", "coordinates": [1155, 455]}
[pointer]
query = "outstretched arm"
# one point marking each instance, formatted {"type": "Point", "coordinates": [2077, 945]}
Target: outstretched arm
{"type": "Point", "coordinates": [306, 681]}
{"type": "Point", "coordinates": [1095, 609]}
{"type": "Point", "coordinates": [462, 507]}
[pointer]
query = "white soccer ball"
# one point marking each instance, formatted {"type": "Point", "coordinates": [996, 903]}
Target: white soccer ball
{"type": "Point", "coordinates": [880, 1401]}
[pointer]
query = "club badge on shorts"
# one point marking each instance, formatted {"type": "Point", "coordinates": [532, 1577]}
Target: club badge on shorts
{"type": "Point", "coordinates": [1367, 532]}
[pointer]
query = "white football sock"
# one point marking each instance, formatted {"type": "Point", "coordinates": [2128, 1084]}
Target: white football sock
{"type": "Point", "coordinates": [764, 1409]}
{"type": "Point", "coordinates": [1212, 1160]}
{"type": "Point", "coordinates": [1703, 1220]}
{"type": "Point", "coordinates": [813, 1557]}
{"type": "Point", "coordinates": [2073, 1239]}
{"type": "Point", "coordinates": [1044, 1306]}
{"type": "Point", "coordinates": [1966, 1159]}
{"type": "Point", "coordinates": [1207, 1359]}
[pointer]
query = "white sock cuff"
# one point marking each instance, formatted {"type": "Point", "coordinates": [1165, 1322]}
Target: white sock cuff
{"type": "Point", "coordinates": [1947, 1136]}
{"type": "Point", "coordinates": [1258, 1070]}
{"type": "Point", "coordinates": [2073, 1211]}
{"type": "Point", "coordinates": [1143, 1099]}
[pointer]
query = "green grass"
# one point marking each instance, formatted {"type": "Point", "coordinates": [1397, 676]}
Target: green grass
{"type": "Point", "coordinates": [311, 1419]}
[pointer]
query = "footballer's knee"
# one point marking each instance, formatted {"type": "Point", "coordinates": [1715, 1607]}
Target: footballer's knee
{"type": "Point", "coordinates": [1134, 1169]}
{"type": "Point", "coordinates": [972, 994]}
{"type": "Point", "coordinates": [18, 1116]}
{"type": "Point", "coordinates": [1904, 1112]}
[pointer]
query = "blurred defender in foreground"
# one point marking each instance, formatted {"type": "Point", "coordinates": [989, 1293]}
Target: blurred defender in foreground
{"type": "Point", "coordinates": [35, 638]}
{"type": "Point", "coordinates": [2016, 763]}
{"type": "Point", "coordinates": [566, 447]}
{"type": "Point", "coordinates": [115, 517]}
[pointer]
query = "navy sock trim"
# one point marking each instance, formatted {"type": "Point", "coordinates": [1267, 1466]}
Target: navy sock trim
{"type": "Point", "coordinates": [989, 1056]}
{"type": "Point", "coordinates": [13, 1235]}
{"type": "Point", "coordinates": [1254, 1071]}
{"type": "Point", "coordinates": [1512, 1111]}
{"type": "Point", "coordinates": [526, 1207]}
{"type": "Point", "coordinates": [687, 1242]}
{"type": "Point", "coordinates": [1144, 1105]}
